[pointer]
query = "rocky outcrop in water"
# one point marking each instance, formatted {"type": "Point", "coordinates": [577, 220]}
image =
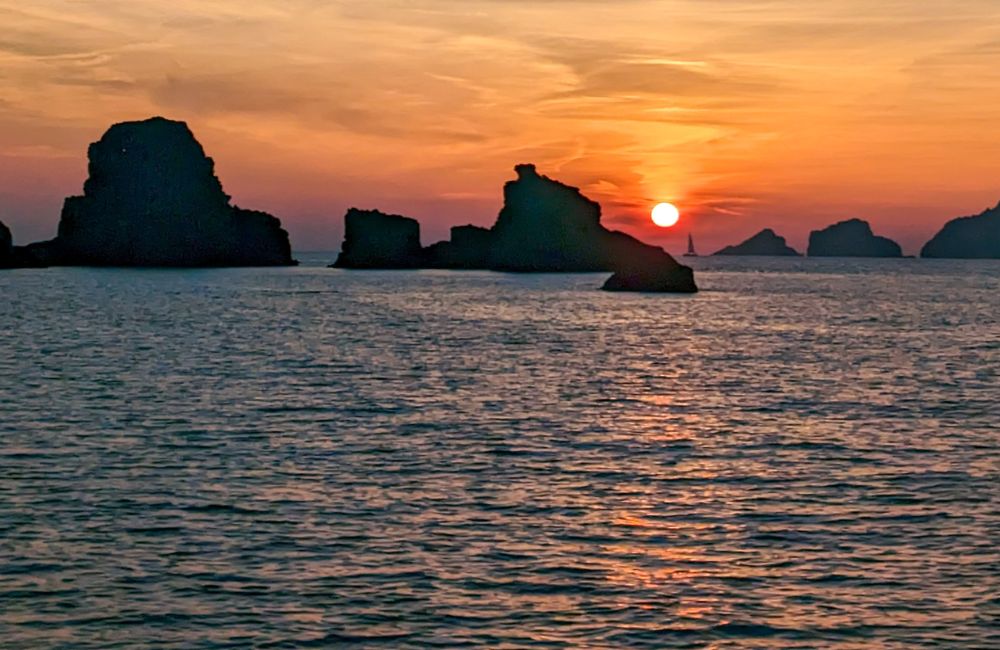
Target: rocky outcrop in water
{"type": "Point", "coordinates": [375, 240]}
{"type": "Point", "coordinates": [975, 237]}
{"type": "Point", "coordinates": [15, 257]}
{"type": "Point", "coordinates": [652, 271]}
{"type": "Point", "coordinates": [548, 226]}
{"type": "Point", "coordinates": [6, 246]}
{"type": "Point", "coordinates": [470, 247]}
{"type": "Point", "coordinates": [544, 226]}
{"type": "Point", "coordinates": [851, 238]}
{"type": "Point", "coordinates": [152, 199]}
{"type": "Point", "coordinates": [766, 242]}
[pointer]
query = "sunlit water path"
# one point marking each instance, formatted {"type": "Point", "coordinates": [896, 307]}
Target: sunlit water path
{"type": "Point", "coordinates": [803, 455]}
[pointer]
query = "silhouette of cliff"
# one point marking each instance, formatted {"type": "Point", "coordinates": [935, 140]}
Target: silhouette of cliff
{"type": "Point", "coordinates": [975, 237]}
{"type": "Point", "coordinates": [544, 226]}
{"type": "Point", "coordinates": [766, 242]}
{"type": "Point", "coordinates": [375, 240]}
{"type": "Point", "coordinates": [851, 238]}
{"type": "Point", "coordinates": [152, 199]}
{"type": "Point", "coordinates": [548, 226]}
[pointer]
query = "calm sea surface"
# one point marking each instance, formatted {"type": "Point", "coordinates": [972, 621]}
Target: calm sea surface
{"type": "Point", "coordinates": [804, 455]}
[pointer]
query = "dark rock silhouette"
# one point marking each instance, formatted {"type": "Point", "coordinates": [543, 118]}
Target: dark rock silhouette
{"type": "Point", "coordinates": [470, 247]}
{"type": "Point", "coordinates": [851, 238]}
{"type": "Point", "coordinates": [152, 199]}
{"type": "Point", "coordinates": [544, 226]}
{"type": "Point", "coordinates": [766, 242]}
{"type": "Point", "coordinates": [548, 226]}
{"type": "Point", "coordinates": [6, 246]}
{"type": "Point", "coordinates": [652, 271]}
{"type": "Point", "coordinates": [15, 257]}
{"type": "Point", "coordinates": [375, 240]}
{"type": "Point", "coordinates": [975, 237]}
{"type": "Point", "coordinates": [39, 254]}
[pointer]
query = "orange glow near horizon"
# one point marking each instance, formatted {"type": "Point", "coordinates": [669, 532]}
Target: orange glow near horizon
{"type": "Point", "coordinates": [754, 114]}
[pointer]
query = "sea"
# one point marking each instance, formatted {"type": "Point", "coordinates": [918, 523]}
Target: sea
{"type": "Point", "coordinates": [806, 454]}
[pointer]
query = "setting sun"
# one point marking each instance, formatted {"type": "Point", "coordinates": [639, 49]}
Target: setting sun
{"type": "Point", "coordinates": [666, 215]}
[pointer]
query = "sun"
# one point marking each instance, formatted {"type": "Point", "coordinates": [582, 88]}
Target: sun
{"type": "Point", "coordinates": [666, 215]}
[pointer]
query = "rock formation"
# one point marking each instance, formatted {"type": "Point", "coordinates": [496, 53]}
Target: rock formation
{"type": "Point", "coordinates": [544, 226]}
{"type": "Point", "coordinates": [652, 270]}
{"type": "Point", "coordinates": [375, 240]}
{"type": "Point", "coordinates": [6, 247]}
{"type": "Point", "coordinates": [766, 242]}
{"type": "Point", "coordinates": [976, 237]}
{"type": "Point", "coordinates": [152, 199]}
{"type": "Point", "coordinates": [470, 247]}
{"type": "Point", "coordinates": [15, 257]}
{"type": "Point", "coordinates": [548, 226]}
{"type": "Point", "coordinates": [851, 238]}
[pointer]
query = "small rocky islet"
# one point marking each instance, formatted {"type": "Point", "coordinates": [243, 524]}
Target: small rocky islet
{"type": "Point", "coordinates": [851, 238]}
{"type": "Point", "coordinates": [14, 257]}
{"type": "Point", "coordinates": [766, 242]}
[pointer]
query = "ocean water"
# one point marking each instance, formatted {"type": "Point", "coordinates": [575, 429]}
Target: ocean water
{"type": "Point", "coordinates": [804, 455]}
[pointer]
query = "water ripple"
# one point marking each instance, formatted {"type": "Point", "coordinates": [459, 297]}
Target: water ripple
{"type": "Point", "coordinates": [805, 455]}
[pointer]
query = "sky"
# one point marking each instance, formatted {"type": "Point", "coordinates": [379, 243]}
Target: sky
{"type": "Point", "coordinates": [745, 113]}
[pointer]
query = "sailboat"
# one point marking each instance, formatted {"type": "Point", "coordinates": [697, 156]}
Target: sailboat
{"type": "Point", "coordinates": [691, 252]}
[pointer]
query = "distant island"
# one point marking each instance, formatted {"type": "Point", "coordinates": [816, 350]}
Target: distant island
{"type": "Point", "coordinates": [152, 199]}
{"type": "Point", "coordinates": [976, 237]}
{"type": "Point", "coordinates": [766, 242]}
{"type": "Point", "coordinates": [544, 226]}
{"type": "Point", "coordinates": [851, 238]}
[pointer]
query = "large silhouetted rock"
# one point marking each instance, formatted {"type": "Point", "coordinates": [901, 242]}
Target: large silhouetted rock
{"type": "Point", "coordinates": [976, 237]}
{"type": "Point", "coordinates": [548, 226]}
{"type": "Point", "coordinates": [375, 240]}
{"type": "Point", "coordinates": [851, 238]}
{"type": "Point", "coordinates": [766, 242]}
{"type": "Point", "coordinates": [152, 199]}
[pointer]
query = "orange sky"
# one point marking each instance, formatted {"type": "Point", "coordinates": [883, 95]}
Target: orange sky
{"type": "Point", "coordinates": [746, 113]}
